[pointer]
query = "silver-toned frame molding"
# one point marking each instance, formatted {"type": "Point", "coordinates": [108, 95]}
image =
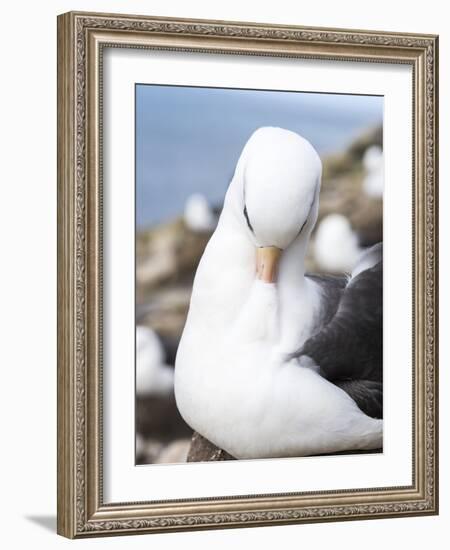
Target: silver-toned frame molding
{"type": "Point", "coordinates": [81, 37]}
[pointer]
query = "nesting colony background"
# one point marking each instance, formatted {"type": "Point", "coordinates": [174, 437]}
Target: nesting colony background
{"type": "Point", "coordinates": [188, 141]}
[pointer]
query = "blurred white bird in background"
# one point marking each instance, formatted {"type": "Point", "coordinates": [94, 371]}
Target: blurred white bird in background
{"type": "Point", "coordinates": [373, 163]}
{"type": "Point", "coordinates": [153, 375]}
{"type": "Point", "coordinates": [198, 214]}
{"type": "Point", "coordinates": [336, 246]}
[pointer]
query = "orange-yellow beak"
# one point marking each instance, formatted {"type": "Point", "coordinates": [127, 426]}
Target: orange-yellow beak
{"type": "Point", "coordinates": [267, 259]}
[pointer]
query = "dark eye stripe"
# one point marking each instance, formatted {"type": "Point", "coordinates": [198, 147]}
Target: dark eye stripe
{"type": "Point", "coordinates": [247, 219]}
{"type": "Point", "coordinates": [304, 223]}
{"type": "Point", "coordinates": [307, 217]}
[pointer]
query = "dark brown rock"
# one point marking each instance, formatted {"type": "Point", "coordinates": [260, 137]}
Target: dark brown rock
{"type": "Point", "coordinates": [158, 417]}
{"type": "Point", "coordinates": [202, 450]}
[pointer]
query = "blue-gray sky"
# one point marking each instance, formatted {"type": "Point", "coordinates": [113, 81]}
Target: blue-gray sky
{"type": "Point", "coordinates": [188, 139]}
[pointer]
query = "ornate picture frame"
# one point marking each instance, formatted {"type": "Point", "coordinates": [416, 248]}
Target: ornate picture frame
{"type": "Point", "coordinates": [82, 39]}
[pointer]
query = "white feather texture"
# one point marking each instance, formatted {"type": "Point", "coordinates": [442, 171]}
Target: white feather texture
{"type": "Point", "coordinates": [233, 383]}
{"type": "Point", "coordinates": [153, 376]}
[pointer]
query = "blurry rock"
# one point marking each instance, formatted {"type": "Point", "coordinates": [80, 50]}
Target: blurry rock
{"type": "Point", "coordinates": [198, 214]}
{"type": "Point", "coordinates": [373, 183]}
{"type": "Point", "coordinates": [373, 136]}
{"type": "Point", "coordinates": [140, 447]}
{"type": "Point", "coordinates": [160, 263]}
{"type": "Point", "coordinates": [351, 159]}
{"type": "Point", "coordinates": [174, 452]}
{"type": "Point", "coordinates": [202, 450]}
{"type": "Point", "coordinates": [343, 192]}
{"type": "Point", "coordinates": [149, 451]}
{"type": "Point", "coordinates": [367, 221]}
{"type": "Point", "coordinates": [158, 417]}
{"type": "Point", "coordinates": [335, 244]}
{"type": "Point", "coordinates": [365, 214]}
{"type": "Point", "coordinates": [153, 376]}
{"type": "Point", "coordinates": [165, 312]}
{"type": "Point", "coordinates": [167, 254]}
{"type": "Point", "coordinates": [189, 251]}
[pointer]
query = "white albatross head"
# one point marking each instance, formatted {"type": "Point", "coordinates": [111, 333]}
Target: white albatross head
{"type": "Point", "coordinates": [275, 193]}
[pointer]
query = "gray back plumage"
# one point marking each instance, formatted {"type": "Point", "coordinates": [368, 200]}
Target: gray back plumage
{"type": "Point", "coordinates": [349, 346]}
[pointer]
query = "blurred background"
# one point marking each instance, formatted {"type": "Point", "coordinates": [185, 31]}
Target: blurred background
{"type": "Point", "coordinates": [188, 140]}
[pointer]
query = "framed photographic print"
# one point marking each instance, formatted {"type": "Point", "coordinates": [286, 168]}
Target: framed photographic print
{"type": "Point", "coordinates": [247, 288]}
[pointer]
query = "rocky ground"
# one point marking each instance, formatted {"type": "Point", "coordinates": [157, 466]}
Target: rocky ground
{"type": "Point", "coordinates": [166, 259]}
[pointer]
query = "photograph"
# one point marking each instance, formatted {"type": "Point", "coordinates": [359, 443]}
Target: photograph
{"type": "Point", "coordinates": [259, 273]}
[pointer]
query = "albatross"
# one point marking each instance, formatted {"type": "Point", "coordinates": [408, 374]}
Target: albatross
{"type": "Point", "coordinates": [273, 362]}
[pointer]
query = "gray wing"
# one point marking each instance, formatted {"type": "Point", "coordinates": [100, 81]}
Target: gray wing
{"type": "Point", "coordinates": [349, 347]}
